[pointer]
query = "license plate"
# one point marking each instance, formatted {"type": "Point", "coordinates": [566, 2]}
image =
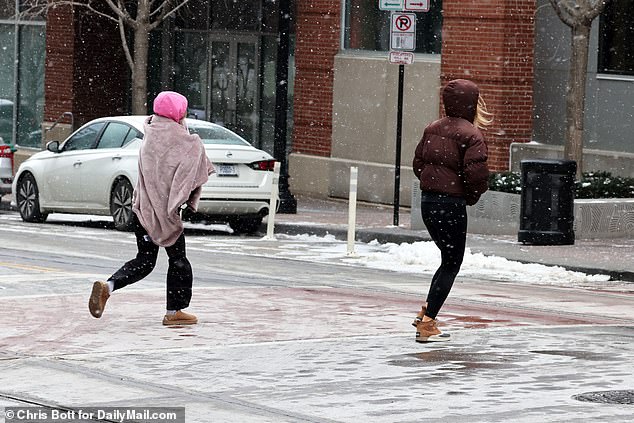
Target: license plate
{"type": "Point", "coordinates": [224, 169]}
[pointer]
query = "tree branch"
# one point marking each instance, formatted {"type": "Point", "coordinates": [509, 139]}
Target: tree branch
{"type": "Point", "coordinates": [124, 43]}
{"type": "Point", "coordinates": [121, 12]}
{"type": "Point", "coordinates": [599, 7]}
{"type": "Point", "coordinates": [35, 8]}
{"type": "Point", "coordinates": [565, 12]}
{"type": "Point", "coordinates": [164, 12]}
{"type": "Point", "coordinates": [42, 6]}
{"type": "Point", "coordinates": [160, 10]}
{"type": "Point", "coordinates": [97, 12]}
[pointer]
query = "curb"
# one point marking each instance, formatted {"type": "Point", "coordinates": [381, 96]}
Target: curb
{"type": "Point", "coordinates": [383, 235]}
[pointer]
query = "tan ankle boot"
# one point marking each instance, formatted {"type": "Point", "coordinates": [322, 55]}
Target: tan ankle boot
{"type": "Point", "coordinates": [428, 332]}
{"type": "Point", "coordinates": [98, 297]}
{"type": "Point", "coordinates": [179, 318]}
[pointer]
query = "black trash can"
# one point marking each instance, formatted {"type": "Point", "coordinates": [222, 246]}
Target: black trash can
{"type": "Point", "coordinates": [547, 202]}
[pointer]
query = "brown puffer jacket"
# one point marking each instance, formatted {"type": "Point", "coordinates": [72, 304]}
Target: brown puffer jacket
{"type": "Point", "coordinates": [451, 157]}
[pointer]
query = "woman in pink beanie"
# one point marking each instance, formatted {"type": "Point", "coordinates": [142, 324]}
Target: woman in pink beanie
{"type": "Point", "coordinates": [173, 166]}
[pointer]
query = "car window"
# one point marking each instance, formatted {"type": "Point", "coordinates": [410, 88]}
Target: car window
{"type": "Point", "coordinates": [132, 135]}
{"type": "Point", "coordinates": [115, 135]}
{"type": "Point", "coordinates": [84, 138]}
{"type": "Point", "coordinates": [217, 135]}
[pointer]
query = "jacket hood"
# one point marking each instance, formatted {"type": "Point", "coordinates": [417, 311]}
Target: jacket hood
{"type": "Point", "coordinates": [460, 98]}
{"type": "Point", "coordinates": [171, 105]}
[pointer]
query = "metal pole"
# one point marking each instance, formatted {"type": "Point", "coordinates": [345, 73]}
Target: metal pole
{"type": "Point", "coordinates": [288, 204]}
{"type": "Point", "coordinates": [399, 130]}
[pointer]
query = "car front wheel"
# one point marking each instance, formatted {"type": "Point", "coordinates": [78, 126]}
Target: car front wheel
{"type": "Point", "coordinates": [121, 205]}
{"type": "Point", "coordinates": [28, 200]}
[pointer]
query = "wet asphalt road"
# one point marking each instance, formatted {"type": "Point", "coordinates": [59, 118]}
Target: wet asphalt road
{"type": "Point", "coordinates": [293, 340]}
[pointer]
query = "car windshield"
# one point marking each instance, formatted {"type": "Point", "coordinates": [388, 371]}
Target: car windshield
{"type": "Point", "coordinates": [216, 135]}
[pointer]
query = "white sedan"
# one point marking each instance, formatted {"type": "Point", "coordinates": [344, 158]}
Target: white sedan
{"type": "Point", "coordinates": [95, 169]}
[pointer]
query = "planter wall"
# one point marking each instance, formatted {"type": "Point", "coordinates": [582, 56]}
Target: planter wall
{"type": "Point", "coordinates": [498, 213]}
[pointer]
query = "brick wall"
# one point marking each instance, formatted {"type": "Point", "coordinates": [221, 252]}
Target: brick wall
{"type": "Point", "coordinates": [318, 39]}
{"type": "Point", "coordinates": [101, 70]}
{"type": "Point", "coordinates": [491, 43]}
{"type": "Point", "coordinates": [86, 72]}
{"type": "Point", "coordinates": [60, 51]}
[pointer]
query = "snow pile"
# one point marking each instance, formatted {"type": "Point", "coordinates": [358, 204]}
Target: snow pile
{"type": "Point", "coordinates": [424, 257]}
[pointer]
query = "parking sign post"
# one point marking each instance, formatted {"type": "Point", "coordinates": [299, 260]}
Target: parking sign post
{"type": "Point", "coordinates": [402, 44]}
{"type": "Point", "coordinates": [403, 31]}
{"type": "Point", "coordinates": [399, 131]}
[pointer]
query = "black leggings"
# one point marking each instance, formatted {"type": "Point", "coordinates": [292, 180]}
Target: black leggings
{"type": "Point", "coordinates": [179, 273]}
{"type": "Point", "coordinates": [446, 223]}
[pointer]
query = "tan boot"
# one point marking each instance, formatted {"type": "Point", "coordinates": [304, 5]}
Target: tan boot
{"type": "Point", "coordinates": [429, 332]}
{"type": "Point", "coordinates": [98, 297]}
{"type": "Point", "coordinates": [179, 318]}
{"type": "Point", "coordinates": [419, 316]}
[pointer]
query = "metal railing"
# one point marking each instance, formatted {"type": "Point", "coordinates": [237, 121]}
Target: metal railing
{"type": "Point", "coordinates": [62, 116]}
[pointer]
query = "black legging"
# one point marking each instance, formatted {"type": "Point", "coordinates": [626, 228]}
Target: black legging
{"type": "Point", "coordinates": [446, 223]}
{"type": "Point", "coordinates": [179, 273]}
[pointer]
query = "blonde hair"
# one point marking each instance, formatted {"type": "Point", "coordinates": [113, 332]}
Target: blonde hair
{"type": "Point", "coordinates": [483, 117]}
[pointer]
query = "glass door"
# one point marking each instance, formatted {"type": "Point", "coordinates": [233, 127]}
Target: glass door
{"type": "Point", "coordinates": [233, 85]}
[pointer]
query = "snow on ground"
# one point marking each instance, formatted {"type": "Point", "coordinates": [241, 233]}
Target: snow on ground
{"type": "Point", "coordinates": [424, 257]}
{"type": "Point", "coordinates": [418, 257]}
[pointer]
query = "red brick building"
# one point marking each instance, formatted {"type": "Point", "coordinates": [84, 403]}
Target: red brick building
{"type": "Point", "coordinates": [490, 42]}
{"type": "Point", "coordinates": [340, 56]}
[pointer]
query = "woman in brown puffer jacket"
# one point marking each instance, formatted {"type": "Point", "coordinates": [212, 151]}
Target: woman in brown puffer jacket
{"type": "Point", "coordinates": [451, 163]}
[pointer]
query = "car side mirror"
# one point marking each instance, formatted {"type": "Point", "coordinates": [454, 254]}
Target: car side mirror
{"type": "Point", "coordinates": [53, 146]}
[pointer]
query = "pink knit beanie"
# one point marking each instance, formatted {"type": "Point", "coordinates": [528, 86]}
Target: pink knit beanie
{"type": "Point", "coordinates": [171, 105]}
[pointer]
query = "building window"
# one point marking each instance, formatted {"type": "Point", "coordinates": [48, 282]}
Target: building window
{"type": "Point", "coordinates": [368, 28]}
{"type": "Point", "coordinates": [616, 37]}
{"type": "Point", "coordinates": [21, 75]}
{"type": "Point", "coordinates": [32, 52]}
{"type": "Point", "coordinates": [7, 82]}
{"type": "Point", "coordinates": [7, 9]}
{"type": "Point", "coordinates": [225, 64]}
{"type": "Point", "coordinates": [232, 16]}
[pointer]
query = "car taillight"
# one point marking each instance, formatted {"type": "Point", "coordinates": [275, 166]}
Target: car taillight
{"type": "Point", "coordinates": [5, 151]}
{"type": "Point", "coordinates": [263, 165]}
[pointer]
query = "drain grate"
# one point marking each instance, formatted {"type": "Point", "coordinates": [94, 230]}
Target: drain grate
{"type": "Point", "coordinates": [607, 397]}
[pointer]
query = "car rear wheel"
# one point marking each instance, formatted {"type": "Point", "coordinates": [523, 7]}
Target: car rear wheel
{"type": "Point", "coordinates": [245, 225]}
{"type": "Point", "coordinates": [121, 205]}
{"type": "Point", "coordinates": [28, 200]}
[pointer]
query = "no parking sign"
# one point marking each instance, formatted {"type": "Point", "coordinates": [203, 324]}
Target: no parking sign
{"type": "Point", "coordinates": [403, 31]}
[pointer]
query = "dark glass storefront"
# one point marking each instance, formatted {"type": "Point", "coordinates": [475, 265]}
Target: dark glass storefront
{"type": "Point", "coordinates": [223, 59]}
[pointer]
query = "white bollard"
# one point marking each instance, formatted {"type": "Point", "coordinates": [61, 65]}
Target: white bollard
{"type": "Point", "coordinates": [352, 210]}
{"type": "Point", "coordinates": [270, 224]}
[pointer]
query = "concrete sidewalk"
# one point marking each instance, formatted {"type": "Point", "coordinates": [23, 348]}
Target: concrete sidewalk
{"type": "Point", "coordinates": [613, 257]}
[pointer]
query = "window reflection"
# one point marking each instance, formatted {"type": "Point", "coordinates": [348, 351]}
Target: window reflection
{"type": "Point", "coordinates": [7, 81]}
{"type": "Point", "coordinates": [7, 9]}
{"type": "Point", "coordinates": [191, 71]}
{"type": "Point", "coordinates": [85, 138]}
{"type": "Point", "coordinates": [617, 38]}
{"type": "Point", "coordinates": [115, 135]}
{"type": "Point", "coordinates": [368, 28]}
{"type": "Point", "coordinates": [227, 69]}
{"type": "Point", "coordinates": [31, 85]}
{"type": "Point", "coordinates": [242, 15]}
